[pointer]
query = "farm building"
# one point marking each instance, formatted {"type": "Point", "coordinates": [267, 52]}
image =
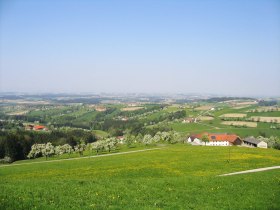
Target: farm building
{"type": "Point", "coordinates": [215, 139]}
{"type": "Point", "coordinates": [189, 120]}
{"type": "Point", "coordinates": [36, 127]}
{"type": "Point", "coordinates": [253, 142]}
{"type": "Point", "coordinates": [120, 139]}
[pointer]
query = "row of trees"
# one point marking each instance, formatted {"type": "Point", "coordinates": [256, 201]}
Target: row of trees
{"type": "Point", "coordinates": [17, 144]}
{"type": "Point", "coordinates": [47, 150]}
{"type": "Point", "coordinates": [109, 144]}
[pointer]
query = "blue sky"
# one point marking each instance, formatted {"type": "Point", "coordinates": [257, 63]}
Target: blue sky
{"type": "Point", "coordinates": [222, 47]}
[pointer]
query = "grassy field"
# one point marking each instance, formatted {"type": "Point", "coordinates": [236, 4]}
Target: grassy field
{"type": "Point", "coordinates": [175, 177]}
{"type": "Point", "coordinates": [241, 123]}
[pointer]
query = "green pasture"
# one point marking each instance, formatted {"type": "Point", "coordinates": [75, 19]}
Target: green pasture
{"type": "Point", "coordinates": [263, 129]}
{"type": "Point", "coordinates": [100, 133]}
{"type": "Point", "coordinates": [175, 177]}
{"type": "Point", "coordinates": [264, 114]}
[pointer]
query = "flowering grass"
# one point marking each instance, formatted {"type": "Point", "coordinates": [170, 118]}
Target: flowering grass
{"type": "Point", "coordinates": [175, 177]}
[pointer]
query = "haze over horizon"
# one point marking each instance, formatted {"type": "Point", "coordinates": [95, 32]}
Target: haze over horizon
{"type": "Point", "coordinates": [219, 47]}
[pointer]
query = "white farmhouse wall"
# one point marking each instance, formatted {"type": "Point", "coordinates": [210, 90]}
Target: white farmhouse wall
{"type": "Point", "coordinates": [197, 141]}
{"type": "Point", "coordinates": [262, 144]}
{"type": "Point", "coordinates": [217, 143]}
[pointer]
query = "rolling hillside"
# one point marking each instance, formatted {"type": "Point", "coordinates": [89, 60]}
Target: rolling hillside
{"type": "Point", "coordinates": [174, 177]}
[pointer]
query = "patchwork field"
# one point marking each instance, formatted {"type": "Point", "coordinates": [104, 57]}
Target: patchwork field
{"type": "Point", "coordinates": [132, 108]}
{"type": "Point", "coordinates": [241, 123]}
{"type": "Point", "coordinates": [234, 115]}
{"type": "Point", "coordinates": [246, 103]}
{"type": "Point", "coordinates": [266, 109]}
{"type": "Point", "coordinates": [18, 113]}
{"type": "Point", "coordinates": [266, 119]}
{"type": "Point", "coordinates": [240, 107]}
{"type": "Point", "coordinates": [175, 177]}
{"type": "Point", "coordinates": [203, 108]}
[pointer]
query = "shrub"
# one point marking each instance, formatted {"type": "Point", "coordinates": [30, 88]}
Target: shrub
{"type": "Point", "coordinates": [5, 160]}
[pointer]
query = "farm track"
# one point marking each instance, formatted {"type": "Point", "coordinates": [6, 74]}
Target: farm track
{"type": "Point", "coordinates": [251, 171]}
{"type": "Point", "coordinates": [77, 158]}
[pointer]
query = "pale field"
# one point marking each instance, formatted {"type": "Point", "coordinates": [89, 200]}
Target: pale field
{"type": "Point", "coordinates": [203, 108]}
{"type": "Point", "coordinates": [234, 115]}
{"type": "Point", "coordinates": [205, 118]}
{"type": "Point", "coordinates": [246, 103]}
{"type": "Point", "coordinates": [241, 123]}
{"type": "Point", "coordinates": [18, 113]}
{"type": "Point", "coordinates": [100, 109]}
{"type": "Point", "coordinates": [239, 107]}
{"type": "Point", "coordinates": [132, 108]}
{"type": "Point", "coordinates": [266, 119]}
{"type": "Point", "coordinates": [267, 108]}
{"type": "Point", "coordinates": [19, 101]}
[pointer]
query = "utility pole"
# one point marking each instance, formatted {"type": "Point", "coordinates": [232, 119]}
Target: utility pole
{"type": "Point", "coordinates": [229, 153]}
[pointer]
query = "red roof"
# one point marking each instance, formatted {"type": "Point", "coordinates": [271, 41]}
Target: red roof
{"type": "Point", "coordinates": [38, 127]}
{"type": "Point", "coordinates": [218, 137]}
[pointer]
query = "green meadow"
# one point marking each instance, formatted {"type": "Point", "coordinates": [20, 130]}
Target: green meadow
{"type": "Point", "coordinates": [173, 177]}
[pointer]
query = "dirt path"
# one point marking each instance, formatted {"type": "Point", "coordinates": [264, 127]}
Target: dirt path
{"type": "Point", "coordinates": [77, 158]}
{"type": "Point", "coordinates": [252, 171]}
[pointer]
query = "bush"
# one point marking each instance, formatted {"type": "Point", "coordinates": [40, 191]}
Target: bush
{"type": "Point", "coordinates": [276, 145]}
{"type": "Point", "coordinates": [6, 160]}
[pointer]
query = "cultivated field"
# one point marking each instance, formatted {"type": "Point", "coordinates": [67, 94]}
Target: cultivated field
{"type": "Point", "coordinates": [240, 107]}
{"type": "Point", "coordinates": [241, 123]}
{"type": "Point", "coordinates": [246, 103]}
{"type": "Point", "coordinates": [234, 115]}
{"type": "Point", "coordinates": [132, 108]}
{"type": "Point", "coordinates": [18, 113]}
{"type": "Point", "coordinates": [266, 119]}
{"type": "Point", "coordinates": [203, 108]}
{"type": "Point", "coordinates": [266, 109]}
{"type": "Point", "coordinates": [175, 177]}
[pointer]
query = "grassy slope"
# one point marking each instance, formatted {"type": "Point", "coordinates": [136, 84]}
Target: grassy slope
{"type": "Point", "coordinates": [177, 177]}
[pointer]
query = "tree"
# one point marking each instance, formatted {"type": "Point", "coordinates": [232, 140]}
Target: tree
{"type": "Point", "coordinates": [38, 150]}
{"type": "Point", "coordinates": [48, 150]}
{"type": "Point", "coordinates": [110, 144]}
{"type": "Point", "coordinates": [148, 139]}
{"type": "Point", "coordinates": [205, 139]}
{"type": "Point", "coordinates": [80, 148]}
{"type": "Point", "coordinates": [71, 141]}
{"type": "Point", "coordinates": [139, 138]}
{"type": "Point", "coordinates": [166, 136]}
{"type": "Point", "coordinates": [97, 146]}
{"type": "Point", "coordinates": [129, 139]}
{"type": "Point", "coordinates": [13, 149]}
{"type": "Point", "coordinates": [157, 138]}
{"type": "Point", "coordinates": [67, 149]}
{"type": "Point", "coordinates": [176, 138]}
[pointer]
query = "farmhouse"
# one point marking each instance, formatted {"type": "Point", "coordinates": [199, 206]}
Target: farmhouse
{"type": "Point", "coordinates": [215, 139]}
{"type": "Point", "coordinates": [120, 139]}
{"type": "Point", "coordinates": [253, 142]}
{"type": "Point", "coordinates": [36, 127]}
{"type": "Point", "coordinates": [39, 128]}
{"type": "Point", "coordinates": [189, 120]}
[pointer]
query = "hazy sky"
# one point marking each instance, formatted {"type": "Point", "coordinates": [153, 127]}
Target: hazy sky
{"type": "Point", "coordinates": [175, 46]}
